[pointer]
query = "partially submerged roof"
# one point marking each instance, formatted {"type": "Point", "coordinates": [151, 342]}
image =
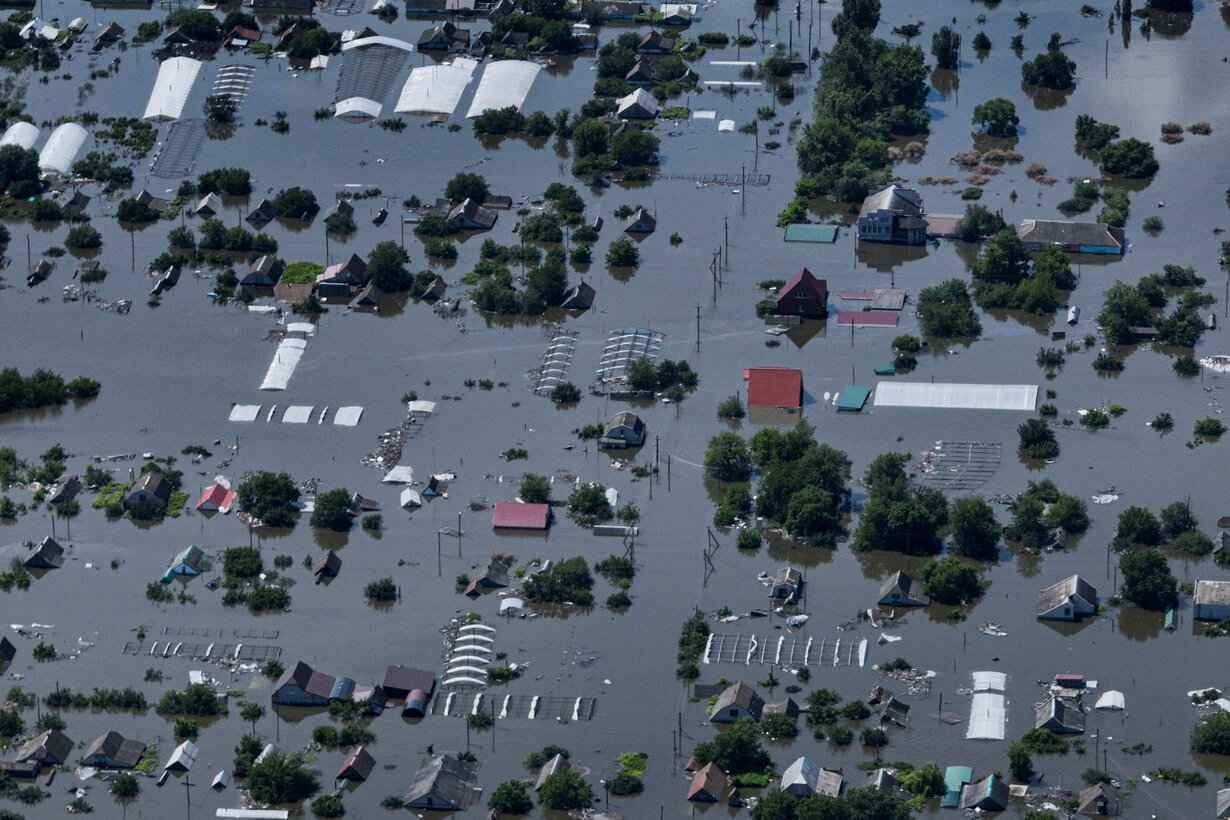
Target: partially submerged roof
{"type": "Point", "coordinates": [113, 749]}
{"type": "Point", "coordinates": [45, 555]}
{"type": "Point", "coordinates": [708, 784]}
{"type": "Point", "coordinates": [738, 695]}
{"type": "Point", "coordinates": [176, 77]}
{"type": "Point", "coordinates": [1059, 232]}
{"type": "Point", "coordinates": [443, 782]}
{"type": "Point", "coordinates": [511, 515]}
{"type": "Point", "coordinates": [400, 680]}
{"type": "Point", "coordinates": [957, 396]}
{"type": "Point", "coordinates": [893, 198]}
{"type": "Point", "coordinates": [504, 84]}
{"type": "Point", "coordinates": [357, 766]}
{"type": "Point", "coordinates": [51, 747]}
{"type": "Point", "coordinates": [774, 387]}
{"type": "Point", "coordinates": [183, 757]}
{"type": "Point", "coordinates": [1057, 594]}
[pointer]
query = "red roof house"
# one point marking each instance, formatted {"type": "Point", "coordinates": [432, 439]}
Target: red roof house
{"type": "Point", "coordinates": [216, 499]}
{"type": "Point", "coordinates": [514, 516]}
{"type": "Point", "coordinates": [774, 387]}
{"type": "Point", "coordinates": [804, 295]}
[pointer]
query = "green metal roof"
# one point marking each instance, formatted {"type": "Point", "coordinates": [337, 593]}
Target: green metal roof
{"type": "Point", "coordinates": [853, 397]}
{"type": "Point", "coordinates": [801, 232]}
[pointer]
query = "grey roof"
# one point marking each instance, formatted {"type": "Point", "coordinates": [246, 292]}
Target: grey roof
{"type": "Point", "coordinates": [1058, 716]}
{"type": "Point", "coordinates": [51, 747]}
{"type": "Point", "coordinates": [787, 707]}
{"type": "Point", "coordinates": [1056, 594]}
{"type": "Point", "coordinates": [708, 784]}
{"type": "Point", "coordinates": [788, 575]}
{"type": "Point", "coordinates": [1100, 800]}
{"type": "Point", "coordinates": [441, 782]}
{"type": "Point", "coordinates": [399, 680]}
{"type": "Point", "coordinates": [328, 565]}
{"type": "Point", "coordinates": [893, 198]}
{"type": "Point", "coordinates": [469, 212]}
{"type": "Point", "coordinates": [153, 483]}
{"type": "Point", "coordinates": [7, 650]}
{"type": "Point", "coordinates": [626, 418]}
{"type": "Point", "coordinates": [307, 679]}
{"type": "Point", "coordinates": [988, 794]}
{"type": "Point", "coordinates": [357, 766]}
{"type": "Point", "coordinates": [801, 776]}
{"type": "Point", "coordinates": [741, 695]}
{"type": "Point", "coordinates": [580, 297]}
{"type": "Point", "coordinates": [1059, 232]}
{"type": "Point", "coordinates": [906, 587]}
{"type": "Point", "coordinates": [47, 555]}
{"type": "Point", "coordinates": [881, 780]}
{"type": "Point", "coordinates": [639, 103]}
{"type": "Point", "coordinates": [559, 763]}
{"type": "Point", "coordinates": [1212, 592]}
{"type": "Point", "coordinates": [114, 750]}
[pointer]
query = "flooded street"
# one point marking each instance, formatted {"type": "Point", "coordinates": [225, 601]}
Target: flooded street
{"type": "Point", "coordinates": [171, 374]}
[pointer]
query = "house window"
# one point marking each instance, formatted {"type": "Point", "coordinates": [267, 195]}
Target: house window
{"type": "Point", "coordinates": [800, 294]}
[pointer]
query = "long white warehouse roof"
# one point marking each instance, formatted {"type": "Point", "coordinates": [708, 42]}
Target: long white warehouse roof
{"type": "Point", "coordinates": [504, 84]}
{"type": "Point", "coordinates": [21, 133]}
{"type": "Point", "coordinates": [175, 79]}
{"type": "Point", "coordinates": [957, 396]}
{"type": "Point", "coordinates": [61, 149]}
{"type": "Point", "coordinates": [436, 89]}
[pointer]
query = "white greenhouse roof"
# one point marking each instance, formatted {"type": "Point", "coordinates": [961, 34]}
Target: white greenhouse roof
{"type": "Point", "coordinates": [392, 42]}
{"type": "Point", "coordinates": [297, 414]}
{"type": "Point", "coordinates": [348, 416]}
{"type": "Point", "coordinates": [21, 133]}
{"type": "Point", "coordinates": [285, 360]}
{"type": "Point", "coordinates": [504, 84]}
{"type": "Point", "coordinates": [401, 474]}
{"type": "Point", "coordinates": [726, 125]}
{"type": "Point", "coordinates": [61, 149]}
{"type": "Point", "coordinates": [245, 412]}
{"type": "Point", "coordinates": [990, 681]}
{"type": "Point", "coordinates": [986, 717]}
{"type": "Point", "coordinates": [436, 89]}
{"type": "Point", "coordinates": [421, 406]}
{"type": "Point", "coordinates": [175, 79]}
{"type": "Point", "coordinates": [1111, 700]}
{"type": "Point", "coordinates": [355, 108]}
{"type": "Point", "coordinates": [957, 396]}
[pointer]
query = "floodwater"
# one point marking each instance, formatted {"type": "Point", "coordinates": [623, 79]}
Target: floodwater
{"type": "Point", "coordinates": [170, 375]}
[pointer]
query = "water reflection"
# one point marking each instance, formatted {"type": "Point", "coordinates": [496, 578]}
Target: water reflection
{"type": "Point", "coordinates": [945, 81]}
{"type": "Point", "coordinates": [886, 258]}
{"type": "Point", "coordinates": [1171, 26]}
{"type": "Point", "coordinates": [1137, 624]}
{"type": "Point", "coordinates": [1047, 99]}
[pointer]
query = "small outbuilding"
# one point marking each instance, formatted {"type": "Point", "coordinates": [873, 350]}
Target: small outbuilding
{"type": "Point", "coordinates": [45, 555]}
{"type": "Point", "coordinates": [188, 563]}
{"type": "Point", "coordinates": [1099, 800]}
{"type": "Point", "coordinates": [738, 701]}
{"type": "Point", "coordinates": [708, 785]}
{"type": "Point", "coordinates": [579, 297]}
{"type": "Point", "coordinates": [1068, 600]}
{"type": "Point", "coordinates": [903, 590]}
{"type": "Point", "coordinates": [183, 758]}
{"type": "Point", "coordinates": [774, 387]}
{"type": "Point", "coordinates": [357, 766]}
{"type": "Point", "coordinates": [327, 566]}
{"type": "Point", "coordinates": [787, 586]}
{"type": "Point", "coordinates": [988, 795]}
{"type": "Point", "coordinates": [7, 651]}
{"type": "Point", "coordinates": [1059, 717]}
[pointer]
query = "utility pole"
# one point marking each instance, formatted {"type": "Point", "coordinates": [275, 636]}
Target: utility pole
{"type": "Point", "coordinates": [726, 232]}
{"type": "Point", "coordinates": [698, 327]}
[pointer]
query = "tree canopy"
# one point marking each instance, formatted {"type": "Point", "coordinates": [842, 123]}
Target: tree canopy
{"type": "Point", "coordinates": [268, 496]}
{"type": "Point", "coordinates": [897, 516]}
{"type": "Point", "coordinates": [1147, 580]}
{"type": "Point", "coordinates": [281, 778]}
{"type": "Point", "coordinates": [736, 751]}
{"type": "Point", "coordinates": [332, 511]}
{"type": "Point", "coordinates": [386, 268]}
{"type": "Point", "coordinates": [997, 117]}
{"type": "Point", "coordinates": [950, 580]}
{"type": "Point", "coordinates": [973, 527]}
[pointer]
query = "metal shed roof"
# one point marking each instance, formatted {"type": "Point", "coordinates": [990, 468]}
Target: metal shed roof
{"type": "Point", "coordinates": [369, 67]}
{"type": "Point", "coordinates": [22, 134]}
{"type": "Point", "coordinates": [957, 396]}
{"type": "Point", "coordinates": [436, 89]}
{"type": "Point", "coordinates": [506, 83]}
{"type": "Point", "coordinates": [987, 717]}
{"type": "Point", "coordinates": [61, 149]}
{"type": "Point", "coordinates": [171, 89]}
{"type": "Point", "coordinates": [348, 416]}
{"type": "Point", "coordinates": [245, 412]}
{"type": "Point", "coordinates": [297, 414]}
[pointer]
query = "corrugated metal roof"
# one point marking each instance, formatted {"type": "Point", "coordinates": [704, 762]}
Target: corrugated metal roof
{"type": "Point", "coordinates": [987, 717]}
{"type": "Point", "coordinates": [176, 77]}
{"type": "Point", "coordinates": [774, 387]}
{"type": "Point", "coordinates": [504, 84]}
{"type": "Point", "coordinates": [957, 396]}
{"type": "Point", "coordinates": [521, 516]}
{"type": "Point", "coordinates": [436, 89]}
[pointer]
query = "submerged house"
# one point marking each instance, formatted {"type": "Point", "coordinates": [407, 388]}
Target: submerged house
{"type": "Point", "coordinates": [264, 272]}
{"type": "Point", "coordinates": [1059, 717]}
{"type": "Point", "coordinates": [401, 681]}
{"type": "Point", "coordinates": [804, 295]}
{"type": "Point", "coordinates": [208, 205]}
{"type": "Point", "coordinates": [1068, 600]}
{"type": "Point", "coordinates": [787, 586]}
{"type": "Point", "coordinates": [303, 686]}
{"type": "Point", "coordinates": [183, 758]}
{"type": "Point", "coordinates": [444, 37]}
{"type": "Point", "coordinates": [327, 567]}
{"type": "Point", "coordinates": [555, 765]}
{"type": "Point", "coordinates": [151, 486]}
{"type": "Point", "coordinates": [189, 562]}
{"type": "Point", "coordinates": [903, 590]}
{"type": "Point", "coordinates": [738, 701]}
{"type": "Point", "coordinates": [45, 555]}
{"type": "Point", "coordinates": [113, 751]}
{"type": "Point", "coordinates": [708, 784]}
{"type": "Point", "coordinates": [1099, 800]}
{"type": "Point", "coordinates": [625, 429]}
{"type": "Point", "coordinates": [805, 777]}
{"type": "Point", "coordinates": [494, 576]}
{"type": "Point", "coordinates": [443, 783]}
{"type": "Point", "coordinates": [656, 43]}
{"type": "Point", "coordinates": [988, 795]}
{"type": "Point", "coordinates": [513, 516]}
{"type": "Point", "coordinates": [51, 748]}
{"type": "Point", "coordinates": [774, 387]}
{"type": "Point", "coordinates": [217, 498]}
{"type": "Point", "coordinates": [641, 222]}
{"type": "Point", "coordinates": [351, 271]}
{"type": "Point", "coordinates": [639, 105]}
{"type": "Point", "coordinates": [1072, 237]}
{"type": "Point", "coordinates": [358, 766]}
{"type": "Point", "coordinates": [579, 297]}
{"type": "Point", "coordinates": [894, 215]}
{"type": "Point", "coordinates": [1211, 600]}
{"type": "Point", "coordinates": [7, 650]}
{"type": "Point", "coordinates": [471, 216]}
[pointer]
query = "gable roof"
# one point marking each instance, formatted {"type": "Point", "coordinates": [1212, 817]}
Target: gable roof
{"type": "Point", "coordinates": [740, 695]}
{"type": "Point", "coordinates": [818, 288]}
{"type": "Point", "coordinates": [1060, 232]}
{"type": "Point", "coordinates": [893, 198]}
{"type": "Point", "coordinates": [988, 794]}
{"type": "Point", "coordinates": [154, 483]}
{"type": "Point", "coordinates": [1056, 594]}
{"type": "Point", "coordinates": [512, 515]}
{"type": "Point", "coordinates": [708, 784]}
{"type": "Point", "coordinates": [1101, 799]}
{"type": "Point", "coordinates": [46, 555]}
{"type": "Point", "coordinates": [50, 747]}
{"type": "Point", "coordinates": [216, 496]}
{"type": "Point", "coordinates": [358, 766]}
{"type": "Point", "coordinates": [443, 780]}
{"type": "Point", "coordinates": [307, 679]}
{"type": "Point", "coordinates": [328, 565]}
{"type": "Point", "coordinates": [1058, 716]}
{"type": "Point", "coordinates": [114, 749]}
{"type": "Point", "coordinates": [906, 587]}
{"type": "Point", "coordinates": [626, 418]}
{"type": "Point", "coordinates": [774, 387]}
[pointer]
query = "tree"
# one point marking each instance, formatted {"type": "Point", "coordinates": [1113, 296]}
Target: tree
{"type": "Point", "coordinates": [1020, 764]}
{"type": "Point", "coordinates": [83, 237]}
{"type": "Point", "coordinates": [623, 253]}
{"type": "Point", "coordinates": [268, 497]}
{"type": "Point", "coordinates": [197, 24]}
{"type": "Point", "coordinates": [726, 457]}
{"type": "Point", "coordinates": [780, 805]}
{"type": "Point", "coordinates": [590, 501]}
{"type": "Point", "coordinates": [897, 516]}
{"type": "Point", "coordinates": [634, 147]}
{"type": "Point", "coordinates": [221, 108]}
{"type": "Point", "coordinates": [125, 786]}
{"type": "Point", "coordinates": [1147, 580]}
{"type": "Point", "coordinates": [731, 407]}
{"type": "Point", "coordinates": [386, 268]}
{"type": "Point", "coordinates": [132, 212]}
{"type": "Point", "coordinates": [1037, 439]}
{"type": "Point", "coordinates": [977, 222]}
{"type": "Point", "coordinates": [465, 186]}
{"type": "Point", "coordinates": [565, 393]}
{"type": "Point", "coordinates": [946, 48]}
{"type": "Point", "coordinates": [1137, 527]}
{"type": "Point", "coordinates": [252, 712]}
{"type": "Point", "coordinates": [328, 805]}
{"type": "Point", "coordinates": [997, 117]}
{"type": "Point", "coordinates": [927, 781]}
{"type": "Point", "coordinates": [1131, 158]}
{"type": "Point", "coordinates": [945, 311]}
{"type": "Point", "coordinates": [511, 797]}
{"type": "Point", "coordinates": [1003, 259]}
{"type": "Point", "coordinates": [950, 580]}
{"type": "Point", "coordinates": [565, 791]}
{"type": "Point", "coordinates": [229, 181]}
{"type": "Point", "coordinates": [1212, 735]}
{"type": "Point", "coordinates": [856, 15]}
{"type": "Point", "coordinates": [811, 512]}
{"type": "Point", "coordinates": [590, 138]}
{"type": "Point", "coordinates": [17, 164]}
{"type": "Point", "coordinates": [973, 527]}
{"type": "Point", "coordinates": [534, 489]}
{"type": "Point", "coordinates": [1094, 135]}
{"type": "Point", "coordinates": [1178, 518]}
{"type": "Point", "coordinates": [1050, 69]}
{"type": "Point", "coordinates": [281, 778]}
{"type": "Point", "coordinates": [1124, 308]}
{"type": "Point", "coordinates": [295, 203]}
{"type": "Point", "coordinates": [332, 510]}
{"type": "Point", "coordinates": [736, 751]}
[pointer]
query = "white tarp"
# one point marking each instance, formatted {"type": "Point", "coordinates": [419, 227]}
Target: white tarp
{"type": "Point", "coordinates": [511, 603]}
{"type": "Point", "coordinates": [986, 717]}
{"type": "Point", "coordinates": [175, 79]}
{"type": "Point", "coordinates": [401, 474]}
{"type": "Point", "coordinates": [957, 396]}
{"type": "Point", "coordinates": [304, 328]}
{"type": "Point", "coordinates": [726, 125]}
{"type": "Point", "coordinates": [22, 134]}
{"type": "Point", "coordinates": [356, 108]}
{"type": "Point", "coordinates": [285, 360]}
{"type": "Point", "coordinates": [990, 681]}
{"type": "Point", "coordinates": [245, 412]}
{"type": "Point", "coordinates": [506, 83]}
{"type": "Point", "coordinates": [347, 416]}
{"type": "Point", "coordinates": [61, 149]}
{"type": "Point", "coordinates": [436, 89]}
{"type": "Point", "coordinates": [1111, 700]}
{"type": "Point", "coordinates": [297, 414]}
{"type": "Point", "coordinates": [421, 406]}
{"type": "Point", "coordinates": [704, 115]}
